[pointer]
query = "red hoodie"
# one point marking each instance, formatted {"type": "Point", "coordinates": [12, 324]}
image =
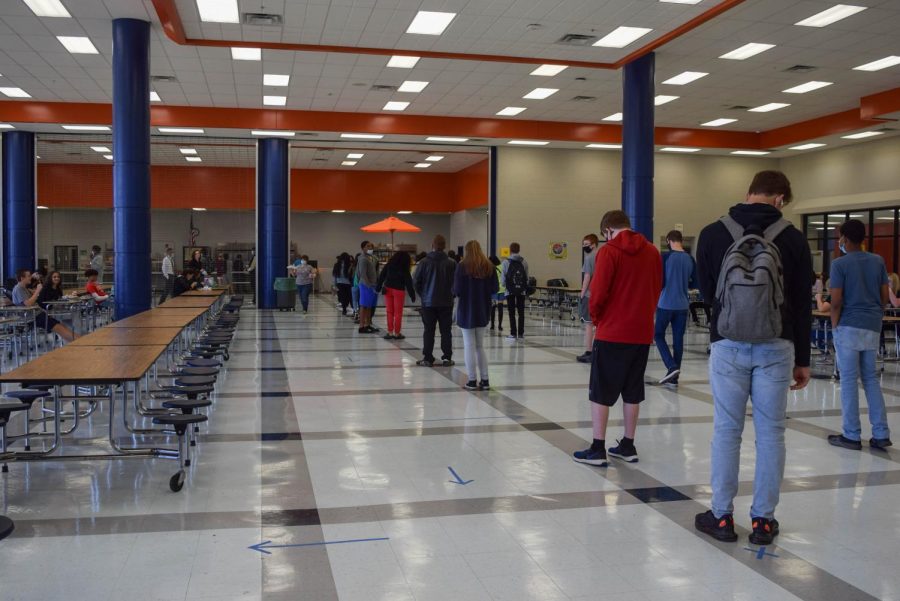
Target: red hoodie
{"type": "Point", "coordinates": [625, 289]}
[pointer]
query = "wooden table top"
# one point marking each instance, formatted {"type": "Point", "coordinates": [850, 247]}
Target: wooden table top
{"type": "Point", "coordinates": [74, 364]}
{"type": "Point", "coordinates": [128, 337]}
{"type": "Point", "coordinates": [182, 301]}
{"type": "Point", "coordinates": [214, 292]}
{"type": "Point", "coordinates": [195, 311]}
{"type": "Point", "coordinates": [155, 318]}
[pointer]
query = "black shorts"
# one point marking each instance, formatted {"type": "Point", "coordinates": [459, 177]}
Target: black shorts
{"type": "Point", "coordinates": [42, 320]}
{"type": "Point", "coordinates": [617, 369]}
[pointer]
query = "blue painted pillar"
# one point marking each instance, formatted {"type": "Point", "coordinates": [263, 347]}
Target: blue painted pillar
{"type": "Point", "coordinates": [492, 201]}
{"type": "Point", "coordinates": [131, 167]}
{"type": "Point", "coordinates": [637, 143]}
{"type": "Point", "coordinates": [272, 216]}
{"type": "Point", "coordinates": [19, 203]}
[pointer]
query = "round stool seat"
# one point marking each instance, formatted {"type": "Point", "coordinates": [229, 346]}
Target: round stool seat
{"type": "Point", "coordinates": [198, 371]}
{"type": "Point", "coordinates": [186, 405]}
{"type": "Point", "coordinates": [201, 362]}
{"type": "Point", "coordinates": [7, 408]}
{"type": "Point", "coordinates": [179, 419]}
{"type": "Point", "coordinates": [39, 386]}
{"type": "Point", "coordinates": [195, 380]}
{"type": "Point", "coordinates": [190, 390]}
{"type": "Point", "coordinates": [27, 396]}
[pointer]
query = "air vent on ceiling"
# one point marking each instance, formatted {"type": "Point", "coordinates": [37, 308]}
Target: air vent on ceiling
{"type": "Point", "coordinates": [262, 19]}
{"type": "Point", "coordinates": [412, 162]}
{"type": "Point", "coordinates": [576, 39]}
{"type": "Point", "coordinates": [169, 78]}
{"type": "Point", "coordinates": [74, 154]}
{"type": "Point", "coordinates": [738, 107]}
{"type": "Point", "coordinates": [383, 88]}
{"type": "Point", "coordinates": [320, 160]}
{"type": "Point", "coordinates": [800, 69]}
{"type": "Point", "coordinates": [584, 98]}
{"type": "Point", "coordinates": [477, 139]}
{"type": "Point", "coordinates": [306, 133]}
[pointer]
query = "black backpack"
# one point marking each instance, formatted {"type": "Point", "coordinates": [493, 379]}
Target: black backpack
{"type": "Point", "coordinates": [516, 278]}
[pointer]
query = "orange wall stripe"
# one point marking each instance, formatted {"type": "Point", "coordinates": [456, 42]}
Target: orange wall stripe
{"type": "Point", "coordinates": [872, 107]}
{"type": "Point", "coordinates": [828, 125]}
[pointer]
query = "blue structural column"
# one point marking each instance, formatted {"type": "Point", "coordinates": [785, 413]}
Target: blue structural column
{"type": "Point", "coordinates": [272, 216]}
{"type": "Point", "coordinates": [492, 201]}
{"type": "Point", "coordinates": [637, 143]}
{"type": "Point", "coordinates": [19, 202]}
{"type": "Point", "coordinates": [131, 166]}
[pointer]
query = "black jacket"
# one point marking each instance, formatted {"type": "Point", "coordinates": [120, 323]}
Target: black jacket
{"type": "Point", "coordinates": [49, 294]}
{"type": "Point", "coordinates": [434, 279]}
{"type": "Point", "coordinates": [796, 260]}
{"type": "Point", "coordinates": [397, 278]}
{"type": "Point", "coordinates": [182, 285]}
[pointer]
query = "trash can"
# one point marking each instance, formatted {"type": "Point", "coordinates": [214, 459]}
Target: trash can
{"type": "Point", "coordinates": [285, 294]}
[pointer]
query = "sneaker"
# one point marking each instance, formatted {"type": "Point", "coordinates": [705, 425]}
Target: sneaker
{"type": "Point", "coordinates": [471, 385]}
{"type": "Point", "coordinates": [399, 337]}
{"type": "Point", "coordinates": [764, 531]}
{"type": "Point", "coordinates": [448, 362]}
{"type": "Point", "coordinates": [374, 329]}
{"type": "Point", "coordinates": [719, 528]}
{"type": "Point", "coordinates": [389, 336]}
{"type": "Point", "coordinates": [624, 453]}
{"type": "Point", "coordinates": [591, 457]}
{"type": "Point", "coordinates": [880, 443]}
{"type": "Point", "coordinates": [499, 328]}
{"type": "Point", "coordinates": [671, 376]}
{"type": "Point", "coordinates": [511, 337]}
{"type": "Point", "coordinates": [521, 337]}
{"type": "Point", "coordinates": [425, 362]}
{"type": "Point", "coordinates": [584, 357]}
{"type": "Point", "coordinates": [484, 385]}
{"type": "Point", "coordinates": [838, 440]}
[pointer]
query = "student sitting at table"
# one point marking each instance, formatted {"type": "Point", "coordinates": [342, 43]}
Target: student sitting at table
{"type": "Point", "coordinates": [51, 291]}
{"type": "Point", "coordinates": [24, 297]}
{"type": "Point", "coordinates": [93, 287]}
{"type": "Point", "coordinates": [186, 281]}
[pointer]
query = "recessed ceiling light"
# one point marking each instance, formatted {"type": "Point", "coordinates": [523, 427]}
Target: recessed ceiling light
{"type": "Point", "coordinates": [422, 165]}
{"type": "Point", "coordinates": [746, 51]}
{"type": "Point", "coordinates": [430, 23]}
{"type": "Point", "coordinates": [606, 146]}
{"type": "Point", "coordinates": [101, 149]}
{"type": "Point", "coordinates": [445, 139]}
{"type": "Point", "coordinates": [395, 106]}
{"type": "Point", "coordinates": [198, 209]}
{"type": "Point", "coordinates": [772, 106]}
{"type": "Point", "coordinates": [613, 117]}
{"type": "Point", "coordinates": [527, 143]}
{"type": "Point", "coordinates": [751, 153]}
{"type": "Point", "coordinates": [363, 136]}
{"type": "Point", "coordinates": [685, 78]}
{"type": "Point", "coordinates": [718, 122]}
{"type": "Point", "coordinates": [188, 150]}
{"type": "Point", "coordinates": [108, 157]}
{"type": "Point", "coordinates": [403, 62]}
{"type": "Point", "coordinates": [621, 37]}
{"type": "Point", "coordinates": [807, 87]}
{"type": "Point", "coordinates": [86, 127]}
{"type": "Point", "coordinates": [219, 11]}
{"type": "Point", "coordinates": [180, 130]}
{"type": "Point", "coordinates": [356, 155]}
{"type": "Point", "coordinates": [882, 63]}
{"type": "Point", "coordinates": [510, 111]}
{"type": "Point", "coordinates": [275, 100]}
{"type": "Point", "coordinates": [271, 133]}
{"type": "Point", "coordinates": [77, 44]}
{"type": "Point", "coordinates": [154, 97]}
{"type": "Point", "coordinates": [663, 99]}
{"type": "Point", "coordinates": [861, 135]}
{"type": "Point", "coordinates": [193, 159]}
{"type": "Point", "coordinates": [270, 79]}
{"type": "Point", "coordinates": [809, 146]}
{"type": "Point", "coordinates": [47, 8]}
{"type": "Point", "coordinates": [338, 211]}
{"type": "Point", "coordinates": [540, 93]}
{"type": "Point", "coordinates": [246, 54]}
{"type": "Point", "coordinates": [434, 158]}
{"type": "Point", "coordinates": [15, 93]}
{"type": "Point", "coordinates": [348, 163]}
{"type": "Point", "coordinates": [679, 149]}
{"type": "Point", "coordinates": [6, 126]}
{"type": "Point", "coordinates": [404, 212]}
{"type": "Point", "coordinates": [831, 15]}
{"type": "Point", "coordinates": [549, 70]}
{"type": "Point", "coordinates": [42, 207]}
{"type": "Point", "coordinates": [412, 86]}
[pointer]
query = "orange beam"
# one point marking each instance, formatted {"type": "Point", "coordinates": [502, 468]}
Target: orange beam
{"type": "Point", "coordinates": [819, 127]}
{"type": "Point", "coordinates": [872, 107]}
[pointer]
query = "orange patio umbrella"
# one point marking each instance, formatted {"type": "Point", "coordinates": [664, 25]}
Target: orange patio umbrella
{"type": "Point", "coordinates": [391, 224]}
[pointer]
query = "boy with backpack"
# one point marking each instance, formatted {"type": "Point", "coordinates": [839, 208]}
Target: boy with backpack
{"type": "Point", "coordinates": [514, 275]}
{"type": "Point", "coordinates": [756, 269]}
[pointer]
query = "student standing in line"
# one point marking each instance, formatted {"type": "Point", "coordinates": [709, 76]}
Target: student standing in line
{"type": "Point", "coordinates": [474, 284]}
{"type": "Point", "coordinates": [354, 290]}
{"type": "Point", "coordinates": [859, 292]}
{"type": "Point", "coordinates": [97, 261]}
{"type": "Point", "coordinates": [367, 272]}
{"type": "Point", "coordinates": [589, 246]}
{"type": "Point", "coordinates": [679, 274]}
{"type": "Point", "coordinates": [395, 280]}
{"type": "Point", "coordinates": [624, 292]}
{"type": "Point", "coordinates": [515, 279]}
{"type": "Point", "coordinates": [23, 297]}
{"type": "Point", "coordinates": [342, 272]}
{"type": "Point", "coordinates": [497, 306]}
{"type": "Point", "coordinates": [168, 271]}
{"type": "Point", "coordinates": [433, 280]}
{"type": "Point", "coordinates": [760, 330]}
{"type": "Point", "coordinates": [305, 275]}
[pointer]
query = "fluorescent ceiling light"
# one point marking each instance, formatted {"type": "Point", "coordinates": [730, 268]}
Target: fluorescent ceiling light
{"type": "Point", "coordinates": [772, 106]}
{"type": "Point", "coordinates": [356, 155]}
{"type": "Point", "coordinates": [434, 158]}
{"type": "Point", "coordinates": [404, 212]}
{"type": "Point", "coordinates": [102, 149]}
{"type": "Point", "coordinates": [348, 163]}
{"type": "Point", "coordinates": [685, 78]}
{"type": "Point", "coordinates": [42, 207]}
{"type": "Point", "coordinates": [679, 149]}
{"type": "Point", "coordinates": [108, 157]}
{"type": "Point", "coordinates": [718, 122]}
{"type": "Point", "coordinates": [47, 8]}
{"type": "Point", "coordinates": [188, 150]}
{"type": "Point", "coordinates": [422, 165]}
{"type": "Point", "coordinates": [395, 106]}
{"type": "Point", "coordinates": [621, 37]}
{"type": "Point", "coordinates": [527, 143]}
{"type": "Point", "coordinates": [77, 44]}
{"type": "Point", "coordinates": [746, 51]}
{"type": "Point", "coordinates": [219, 11]}
{"type": "Point", "coordinates": [807, 87]}
{"type": "Point", "coordinates": [412, 86]}
{"type": "Point", "coordinates": [15, 92]}
{"type": "Point", "coordinates": [613, 117]}
{"type": "Point", "coordinates": [549, 70]}
{"type": "Point", "coordinates": [882, 63]}
{"type": "Point", "coordinates": [338, 211]}
{"type": "Point", "coordinates": [180, 130]}
{"type": "Point", "coordinates": [751, 153]}
{"type": "Point", "coordinates": [270, 79]}
{"type": "Point", "coordinates": [154, 97]}
{"type": "Point", "coordinates": [540, 93]}
{"type": "Point", "coordinates": [246, 54]}
{"type": "Point", "coordinates": [430, 22]}
{"type": "Point", "coordinates": [445, 139]}
{"type": "Point", "coordinates": [606, 146]}
{"type": "Point", "coordinates": [272, 133]}
{"type": "Point", "coordinates": [6, 126]}
{"type": "Point", "coordinates": [510, 111]}
{"type": "Point", "coordinates": [198, 209]}
{"type": "Point", "coordinates": [403, 62]}
{"type": "Point", "coordinates": [831, 15]}
{"type": "Point", "coordinates": [363, 136]}
{"type": "Point", "coordinates": [861, 135]}
{"type": "Point", "coordinates": [193, 159]}
{"type": "Point", "coordinates": [809, 146]}
{"type": "Point", "coordinates": [663, 99]}
{"type": "Point", "coordinates": [86, 127]}
{"type": "Point", "coordinates": [275, 100]}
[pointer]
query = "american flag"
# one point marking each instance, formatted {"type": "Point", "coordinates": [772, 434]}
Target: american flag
{"type": "Point", "coordinates": [194, 231]}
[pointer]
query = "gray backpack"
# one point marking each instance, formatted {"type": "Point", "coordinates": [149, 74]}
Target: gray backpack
{"type": "Point", "coordinates": [750, 291]}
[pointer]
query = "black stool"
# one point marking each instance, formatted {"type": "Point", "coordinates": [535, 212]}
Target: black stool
{"type": "Point", "coordinates": [187, 407]}
{"type": "Point", "coordinates": [27, 397]}
{"type": "Point", "coordinates": [201, 362]}
{"type": "Point", "coordinates": [5, 410]}
{"type": "Point", "coordinates": [181, 424]}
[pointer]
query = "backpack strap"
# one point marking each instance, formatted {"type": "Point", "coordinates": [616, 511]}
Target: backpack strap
{"type": "Point", "coordinates": [734, 228]}
{"type": "Point", "coordinates": [774, 230]}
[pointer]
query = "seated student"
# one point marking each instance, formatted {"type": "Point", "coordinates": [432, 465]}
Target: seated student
{"type": "Point", "coordinates": [186, 281]}
{"type": "Point", "coordinates": [93, 287]}
{"type": "Point", "coordinates": [24, 297]}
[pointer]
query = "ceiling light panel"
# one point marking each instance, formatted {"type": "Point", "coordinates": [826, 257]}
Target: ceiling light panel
{"type": "Point", "coordinates": [395, 106]}
{"type": "Point", "coordinates": [246, 54]}
{"type": "Point", "coordinates": [685, 78]}
{"type": "Point", "coordinates": [809, 146]}
{"type": "Point", "coordinates": [154, 97]}
{"type": "Point", "coordinates": [882, 63]}
{"type": "Point", "coordinates": [338, 211]}
{"type": "Point", "coordinates": [219, 11]}
{"type": "Point", "coordinates": [356, 155]}
{"type": "Point", "coordinates": [540, 93]}
{"type": "Point", "coordinates": [412, 86]}
{"type": "Point", "coordinates": [403, 62]}
{"type": "Point", "coordinates": [15, 93]}
{"type": "Point", "coordinates": [101, 149]}
{"type": "Point", "coordinates": [404, 212]}
{"type": "Point", "coordinates": [808, 87]}
{"type": "Point", "coordinates": [348, 163]}
{"type": "Point", "coordinates": [188, 150]}
{"type": "Point", "coordinates": [108, 157]}
{"type": "Point", "coordinates": [193, 159]}
{"type": "Point", "coordinates": [605, 146]}
{"type": "Point", "coordinates": [679, 149]}
{"type": "Point", "coordinates": [718, 122]}
{"type": "Point", "coordinates": [862, 135]}
{"type": "Point", "coordinates": [445, 139]}
{"type": "Point", "coordinates": [767, 108]}
{"type": "Point", "coordinates": [434, 158]}
{"type": "Point", "coordinates": [362, 136]}
{"type": "Point", "coordinates": [510, 111]}
{"type": "Point", "coordinates": [527, 143]}
{"type": "Point", "coordinates": [77, 44]}
{"type": "Point", "coordinates": [271, 133]}
{"type": "Point", "coordinates": [48, 8]}
{"type": "Point", "coordinates": [613, 117]}
{"type": "Point", "coordinates": [422, 165]}
{"type": "Point", "coordinates": [6, 126]}
{"type": "Point", "coordinates": [271, 79]}
{"type": "Point", "coordinates": [831, 15]}
{"type": "Point", "coordinates": [746, 51]}
{"type": "Point", "coordinates": [86, 127]}
{"type": "Point", "coordinates": [274, 100]}
{"type": "Point", "coordinates": [621, 37]}
{"type": "Point", "coordinates": [549, 70]}
{"type": "Point", "coordinates": [663, 99]}
{"type": "Point", "coordinates": [751, 153]}
{"type": "Point", "coordinates": [178, 130]}
{"type": "Point", "coordinates": [430, 23]}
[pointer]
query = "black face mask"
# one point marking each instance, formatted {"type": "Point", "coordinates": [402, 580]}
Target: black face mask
{"type": "Point", "coordinates": [586, 249]}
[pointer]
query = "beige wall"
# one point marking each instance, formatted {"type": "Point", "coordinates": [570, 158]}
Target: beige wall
{"type": "Point", "coordinates": [468, 225]}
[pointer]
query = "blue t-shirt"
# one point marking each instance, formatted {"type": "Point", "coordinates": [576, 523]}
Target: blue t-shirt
{"type": "Point", "coordinates": [679, 274]}
{"type": "Point", "coordinates": [860, 275]}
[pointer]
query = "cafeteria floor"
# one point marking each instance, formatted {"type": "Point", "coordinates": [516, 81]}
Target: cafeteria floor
{"type": "Point", "coordinates": [424, 491]}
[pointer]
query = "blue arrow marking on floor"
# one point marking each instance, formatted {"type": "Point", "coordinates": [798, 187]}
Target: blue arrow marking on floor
{"type": "Point", "coordinates": [264, 546]}
{"type": "Point", "coordinates": [761, 552]}
{"type": "Point", "coordinates": [458, 479]}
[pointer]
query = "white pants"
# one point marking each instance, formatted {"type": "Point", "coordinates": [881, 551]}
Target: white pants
{"type": "Point", "coordinates": [473, 342]}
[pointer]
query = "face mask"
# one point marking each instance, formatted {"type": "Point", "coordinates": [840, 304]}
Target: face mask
{"type": "Point", "coordinates": [302, 262]}
{"type": "Point", "coordinates": [586, 249]}
{"type": "Point", "coordinates": [370, 252]}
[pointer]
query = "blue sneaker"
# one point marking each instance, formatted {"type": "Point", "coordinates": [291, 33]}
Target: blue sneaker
{"type": "Point", "coordinates": [591, 457]}
{"type": "Point", "coordinates": [623, 452]}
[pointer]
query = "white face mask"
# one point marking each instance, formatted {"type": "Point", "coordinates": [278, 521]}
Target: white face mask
{"type": "Point", "coordinates": [302, 262]}
{"type": "Point", "coordinates": [370, 251]}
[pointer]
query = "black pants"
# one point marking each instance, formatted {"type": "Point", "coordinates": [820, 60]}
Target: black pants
{"type": "Point", "coordinates": [431, 317]}
{"type": "Point", "coordinates": [497, 310]}
{"type": "Point", "coordinates": [168, 289]}
{"type": "Point", "coordinates": [343, 294]}
{"type": "Point", "coordinates": [701, 306]}
{"type": "Point", "coordinates": [516, 303]}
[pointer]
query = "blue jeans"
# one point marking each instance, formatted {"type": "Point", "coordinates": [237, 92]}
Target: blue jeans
{"type": "Point", "coordinates": [354, 297]}
{"type": "Point", "coordinates": [856, 351]}
{"type": "Point", "coordinates": [678, 319]}
{"type": "Point", "coordinates": [762, 372]}
{"type": "Point", "coordinates": [304, 291]}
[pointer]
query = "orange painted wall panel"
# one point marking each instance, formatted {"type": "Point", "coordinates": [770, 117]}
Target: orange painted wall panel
{"type": "Point", "coordinates": [382, 191]}
{"type": "Point", "coordinates": [471, 187]}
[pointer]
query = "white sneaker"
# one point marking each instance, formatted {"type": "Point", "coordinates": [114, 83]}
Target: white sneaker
{"type": "Point", "coordinates": [510, 337]}
{"type": "Point", "coordinates": [670, 376]}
